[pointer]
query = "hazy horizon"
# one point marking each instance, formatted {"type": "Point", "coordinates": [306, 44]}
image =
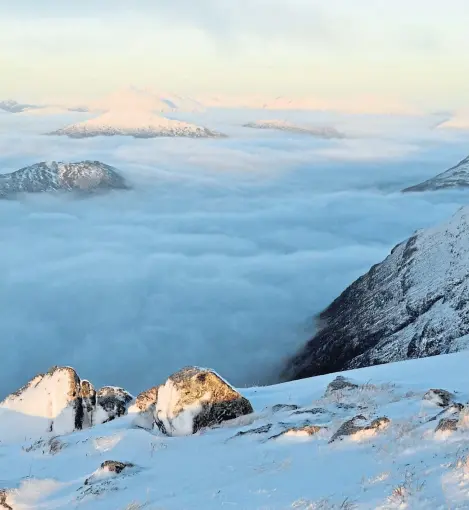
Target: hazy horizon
{"type": "Point", "coordinates": [340, 52]}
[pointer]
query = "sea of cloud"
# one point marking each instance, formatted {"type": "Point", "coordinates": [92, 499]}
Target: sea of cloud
{"type": "Point", "coordinates": [222, 253]}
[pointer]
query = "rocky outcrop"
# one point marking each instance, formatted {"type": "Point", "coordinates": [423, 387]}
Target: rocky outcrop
{"type": "Point", "coordinates": [65, 403]}
{"type": "Point", "coordinates": [454, 178]}
{"type": "Point", "coordinates": [413, 304]}
{"type": "Point", "coordinates": [447, 425]}
{"type": "Point", "coordinates": [195, 398]}
{"type": "Point", "coordinates": [107, 469]}
{"type": "Point", "coordinates": [358, 427]}
{"type": "Point", "coordinates": [112, 402]}
{"type": "Point", "coordinates": [146, 399]}
{"type": "Point", "coordinates": [340, 383]}
{"type": "Point", "coordinates": [441, 398]}
{"type": "Point", "coordinates": [301, 431]}
{"type": "Point", "coordinates": [55, 396]}
{"type": "Point", "coordinates": [83, 177]}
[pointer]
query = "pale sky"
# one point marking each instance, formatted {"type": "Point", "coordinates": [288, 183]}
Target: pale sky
{"type": "Point", "coordinates": [411, 50]}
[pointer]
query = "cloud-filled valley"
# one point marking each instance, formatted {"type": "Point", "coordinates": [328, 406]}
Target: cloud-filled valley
{"type": "Point", "coordinates": [220, 255]}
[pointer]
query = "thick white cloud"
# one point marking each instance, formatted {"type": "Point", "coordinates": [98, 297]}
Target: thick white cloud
{"type": "Point", "coordinates": [220, 256]}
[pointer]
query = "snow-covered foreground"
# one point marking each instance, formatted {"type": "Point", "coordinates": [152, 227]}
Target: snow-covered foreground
{"type": "Point", "coordinates": [403, 465]}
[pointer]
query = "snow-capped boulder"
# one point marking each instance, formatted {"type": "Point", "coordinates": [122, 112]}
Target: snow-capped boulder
{"type": "Point", "coordinates": [108, 469]}
{"type": "Point", "coordinates": [84, 176]}
{"type": "Point", "coordinates": [135, 123]}
{"type": "Point", "coordinates": [53, 399]}
{"type": "Point", "coordinates": [194, 398]}
{"type": "Point", "coordinates": [447, 425]}
{"type": "Point", "coordinates": [359, 428]}
{"type": "Point", "coordinates": [413, 304]}
{"type": "Point", "coordinates": [441, 398]}
{"type": "Point", "coordinates": [112, 402]}
{"type": "Point", "coordinates": [456, 177]}
{"type": "Point", "coordinates": [340, 383]}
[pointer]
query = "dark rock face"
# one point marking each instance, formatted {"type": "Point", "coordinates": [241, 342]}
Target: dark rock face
{"type": "Point", "coordinates": [447, 425]}
{"type": "Point", "coordinates": [284, 407]}
{"type": "Point", "coordinates": [83, 177]}
{"type": "Point", "coordinates": [259, 430]}
{"type": "Point", "coordinates": [195, 398]}
{"type": "Point", "coordinates": [455, 177]}
{"type": "Point", "coordinates": [114, 401]}
{"type": "Point", "coordinates": [413, 304]}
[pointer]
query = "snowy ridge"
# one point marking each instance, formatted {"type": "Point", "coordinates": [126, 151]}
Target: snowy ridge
{"type": "Point", "coordinates": [14, 107]}
{"type": "Point", "coordinates": [413, 304]}
{"type": "Point", "coordinates": [282, 125]}
{"type": "Point", "coordinates": [136, 123]}
{"type": "Point", "coordinates": [379, 442]}
{"type": "Point", "coordinates": [455, 177]}
{"type": "Point", "coordinates": [54, 176]}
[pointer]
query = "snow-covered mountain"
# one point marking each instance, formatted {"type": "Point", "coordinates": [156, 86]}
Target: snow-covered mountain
{"type": "Point", "coordinates": [385, 437]}
{"type": "Point", "coordinates": [136, 123]}
{"type": "Point", "coordinates": [413, 304]}
{"type": "Point", "coordinates": [14, 107]}
{"type": "Point", "coordinates": [455, 177]}
{"type": "Point", "coordinates": [85, 176]}
{"type": "Point", "coordinates": [282, 125]}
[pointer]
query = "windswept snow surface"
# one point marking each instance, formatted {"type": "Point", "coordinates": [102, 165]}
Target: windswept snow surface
{"type": "Point", "coordinates": [404, 466]}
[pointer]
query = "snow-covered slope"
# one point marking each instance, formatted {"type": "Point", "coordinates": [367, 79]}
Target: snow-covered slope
{"type": "Point", "coordinates": [370, 443]}
{"type": "Point", "coordinates": [459, 120]}
{"type": "Point", "coordinates": [136, 123]}
{"type": "Point", "coordinates": [455, 177]}
{"type": "Point", "coordinates": [86, 176]}
{"type": "Point", "coordinates": [320, 132]}
{"type": "Point", "coordinates": [413, 304]}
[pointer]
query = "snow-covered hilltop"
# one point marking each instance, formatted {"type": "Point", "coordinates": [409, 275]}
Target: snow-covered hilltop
{"type": "Point", "coordinates": [384, 437]}
{"type": "Point", "coordinates": [85, 176]}
{"type": "Point", "coordinates": [413, 304]}
{"type": "Point", "coordinates": [136, 123]}
{"type": "Point", "coordinates": [455, 177]}
{"type": "Point", "coordinates": [282, 125]}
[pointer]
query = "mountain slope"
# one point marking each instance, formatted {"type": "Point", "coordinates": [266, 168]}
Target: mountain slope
{"type": "Point", "coordinates": [306, 446]}
{"type": "Point", "coordinates": [14, 107]}
{"type": "Point", "coordinates": [456, 177]}
{"type": "Point", "coordinates": [413, 304]}
{"type": "Point", "coordinates": [85, 176]}
{"type": "Point", "coordinates": [136, 123]}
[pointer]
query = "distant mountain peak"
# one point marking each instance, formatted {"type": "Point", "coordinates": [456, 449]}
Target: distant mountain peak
{"type": "Point", "coordinates": [83, 176]}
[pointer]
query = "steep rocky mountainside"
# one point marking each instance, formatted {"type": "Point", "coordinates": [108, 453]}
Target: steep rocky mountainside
{"type": "Point", "coordinates": [456, 177]}
{"type": "Point", "coordinates": [413, 304]}
{"type": "Point", "coordinates": [86, 176]}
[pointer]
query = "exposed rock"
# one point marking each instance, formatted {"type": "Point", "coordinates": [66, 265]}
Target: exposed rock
{"type": "Point", "coordinates": [441, 398]}
{"type": "Point", "coordinates": [447, 425]}
{"type": "Point", "coordinates": [147, 398]}
{"type": "Point", "coordinates": [4, 496]}
{"type": "Point", "coordinates": [338, 384]}
{"type": "Point", "coordinates": [108, 468]}
{"type": "Point", "coordinates": [359, 425]}
{"type": "Point", "coordinates": [456, 177]}
{"type": "Point", "coordinates": [314, 410]}
{"type": "Point", "coordinates": [194, 398]}
{"type": "Point", "coordinates": [259, 430]}
{"type": "Point", "coordinates": [84, 177]}
{"type": "Point", "coordinates": [284, 407]}
{"type": "Point", "coordinates": [55, 396]}
{"type": "Point", "coordinates": [413, 304]}
{"type": "Point", "coordinates": [301, 431]}
{"type": "Point", "coordinates": [113, 401]}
